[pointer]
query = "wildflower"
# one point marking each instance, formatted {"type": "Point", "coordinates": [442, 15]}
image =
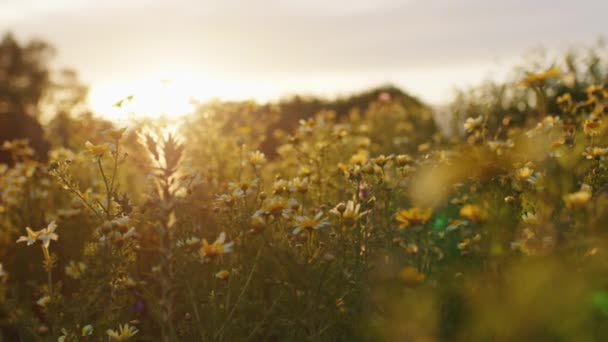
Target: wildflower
{"type": "Point", "coordinates": [350, 213]}
{"type": "Point", "coordinates": [381, 160]}
{"type": "Point", "coordinates": [307, 223]}
{"type": "Point", "coordinates": [579, 198]}
{"type": "Point", "coordinates": [592, 127]}
{"type": "Point", "coordinates": [594, 89]}
{"type": "Point", "coordinates": [217, 248]}
{"type": "Point", "coordinates": [222, 275]}
{"type": "Point", "coordinates": [299, 185]}
{"type": "Point", "coordinates": [97, 150]}
{"type": "Point", "coordinates": [307, 126]}
{"type": "Point", "coordinates": [464, 244]}
{"type": "Point", "coordinates": [44, 301]}
{"type": "Point", "coordinates": [363, 142]}
{"type": "Point", "coordinates": [500, 146]}
{"type": "Point", "coordinates": [359, 158]}
{"type": "Point", "coordinates": [189, 242]}
{"type": "Point", "coordinates": [225, 201]}
{"type": "Point", "coordinates": [75, 269]}
{"type": "Point", "coordinates": [364, 191]}
{"type": "Point", "coordinates": [533, 245]}
{"type": "Point", "coordinates": [471, 212]}
{"type": "Point", "coordinates": [413, 216]}
{"type": "Point", "coordinates": [115, 134]}
{"type": "Point", "coordinates": [564, 101]}
{"type": "Point", "coordinates": [258, 221]}
{"type": "Point", "coordinates": [595, 153]}
{"type": "Point", "coordinates": [529, 218]}
{"type": "Point", "coordinates": [403, 159]}
{"type": "Point", "coordinates": [44, 235]}
{"type": "Point", "coordinates": [275, 206]}
{"type": "Point", "coordinates": [257, 159]}
{"type": "Point", "coordinates": [544, 126]}
{"type": "Point", "coordinates": [87, 330]}
{"type": "Point", "coordinates": [124, 333]}
{"type": "Point", "coordinates": [293, 207]}
{"type": "Point", "coordinates": [538, 79]}
{"type": "Point", "coordinates": [280, 186]}
{"type": "Point", "coordinates": [455, 224]}
{"type": "Point", "coordinates": [472, 124]}
{"type": "Point", "coordinates": [304, 171]}
{"type": "Point", "coordinates": [524, 173]}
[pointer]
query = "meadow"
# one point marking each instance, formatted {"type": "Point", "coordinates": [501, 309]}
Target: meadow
{"type": "Point", "coordinates": [370, 225]}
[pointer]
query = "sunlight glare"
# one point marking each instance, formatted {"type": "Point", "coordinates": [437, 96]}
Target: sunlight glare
{"type": "Point", "coordinates": [169, 97]}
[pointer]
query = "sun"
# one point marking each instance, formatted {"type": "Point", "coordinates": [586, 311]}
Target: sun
{"type": "Point", "coordinates": [169, 97]}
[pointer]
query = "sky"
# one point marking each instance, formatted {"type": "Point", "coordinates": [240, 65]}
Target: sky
{"type": "Point", "coordinates": [171, 51]}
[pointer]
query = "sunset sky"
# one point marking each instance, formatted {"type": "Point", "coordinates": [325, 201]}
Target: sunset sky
{"type": "Point", "coordinates": [266, 49]}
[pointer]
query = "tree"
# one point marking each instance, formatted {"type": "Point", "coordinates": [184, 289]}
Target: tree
{"type": "Point", "coordinates": [30, 90]}
{"type": "Point", "coordinates": [24, 74]}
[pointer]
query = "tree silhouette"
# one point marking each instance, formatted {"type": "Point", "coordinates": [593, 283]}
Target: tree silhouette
{"type": "Point", "coordinates": [24, 74]}
{"type": "Point", "coordinates": [29, 89]}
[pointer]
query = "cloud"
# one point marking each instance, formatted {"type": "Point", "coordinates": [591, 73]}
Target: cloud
{"type": "Point", "coordinates": [287, 39]}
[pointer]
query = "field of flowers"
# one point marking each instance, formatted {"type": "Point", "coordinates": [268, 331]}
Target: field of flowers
{"type": "Point", "coordinates": [369, 226]}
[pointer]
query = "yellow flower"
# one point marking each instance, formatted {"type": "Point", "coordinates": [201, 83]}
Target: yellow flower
{"type": "Point", "coordinates": [472, 124]}
{"type": "Point", "coordinates": [75, 269]}
{"type": "Point", "coordinates": [45, 235]}
{"type": "Point", "coordinates": [275, 206]}
{"type": "Point", "coordinates": [564, 101]}
{"type": "Point", "coordinates": [403, 159]}
{"type": "Point", "coordinates": [217, 248]}
{"type": "Point", "coordinates": [124, 333]}
{"type": "Point", "coordinates": [350, 213]}
{"type": "Point", "coordinates": [257, 159]}
{"type": "Point", "coordinates": [307, 223]}
{"type": "Point", "coordinates": [593, 89]}
{"type": "Point", "coordinates": [472, 212]}
{"type": "Point", "coordinates": [280, 186]}
{"type": "Point", "coordinates": [299, 184]}
{"type": "Point", "coordinates": [307, 126]}
{"type": "Point", "coordinates": [44, 301]}
{"type": "Point", "coordinates": [115, 134]}
{"type": "Point", "coordinates": [592, 127]}
{"type": "Point", "coordinates": [500, 146]}
{"type": "Point", "coordinates": [87, 330]}
{"type": "Point", "coordinates": [381, 160]}
{"type": "Point", "coordinates": [413, 216]}
{"type": "Point", "coordinates": [579, 198]}
{"type": "Point", "coordinates": [258, 221]}
{"type": "Point", "coordinates": [595, 152]}
{"type": "Point", "coordinates": [524, 173]}
{"type": "Point", "coordinates": [359, 158]}
{"type": "Point", "coordinates": [530, 218]}
{"type": "Point", "coordinates": [97, 150]}
{"type": "Point", "coordinates": [223, 275]}
{"type": "Point", "coordinates": [538, 79]}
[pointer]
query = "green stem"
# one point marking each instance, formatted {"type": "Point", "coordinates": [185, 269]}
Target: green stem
{"type": "Point", "coordinates": [108, 192]}
{"type": "Point", "coordinates": [240, 297]}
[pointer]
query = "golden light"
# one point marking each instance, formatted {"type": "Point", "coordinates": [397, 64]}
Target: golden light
{"type": "Point", "coordinates": [170, 97]}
